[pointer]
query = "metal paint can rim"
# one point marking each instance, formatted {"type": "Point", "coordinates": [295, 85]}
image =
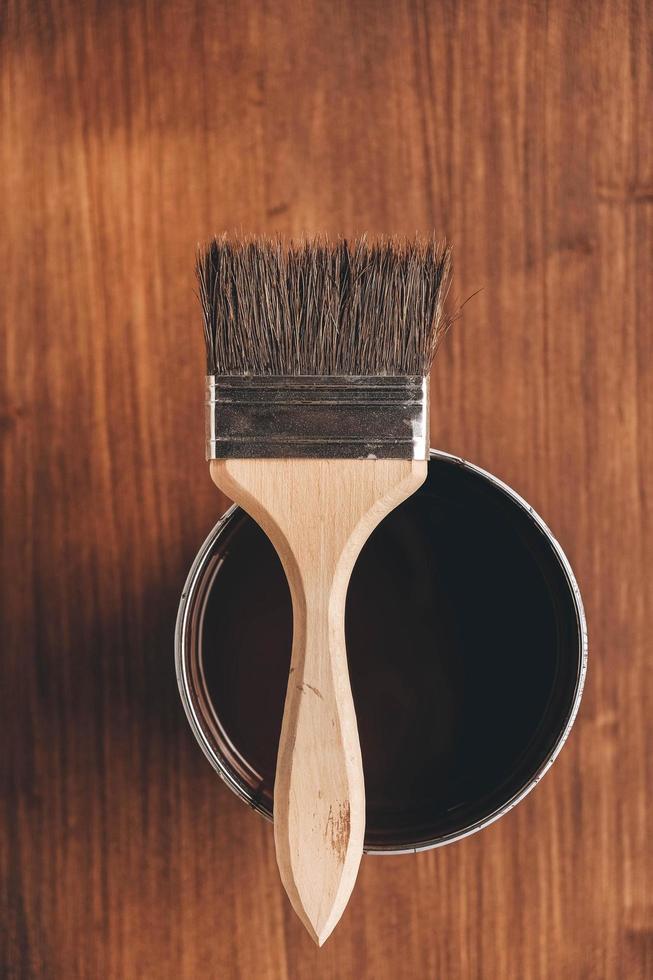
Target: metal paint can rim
{"type": "Point", "coordinates": [196, 577]}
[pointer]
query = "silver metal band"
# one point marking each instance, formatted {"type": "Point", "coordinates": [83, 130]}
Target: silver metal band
{"type": "Point", "coordinates": [345, 417]}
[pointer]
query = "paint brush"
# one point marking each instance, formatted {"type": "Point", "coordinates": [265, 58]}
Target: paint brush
{"type": "Point", "coordinates": [318, 356]}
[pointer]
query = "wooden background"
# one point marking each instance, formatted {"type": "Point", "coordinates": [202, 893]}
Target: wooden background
{"type": "Point", "coordinates": [131, 130]}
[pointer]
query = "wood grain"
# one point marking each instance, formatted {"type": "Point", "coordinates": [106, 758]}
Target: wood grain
{"type": "Point", "coordinates": [131, 130]}
{"type": "Point", "coordinates": [318, 514]}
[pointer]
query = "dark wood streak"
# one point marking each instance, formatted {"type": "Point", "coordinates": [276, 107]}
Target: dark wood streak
{"type": "Point", "coordinates": [133, 130]}
{"type": "Point", "coordinates": [338, 829]}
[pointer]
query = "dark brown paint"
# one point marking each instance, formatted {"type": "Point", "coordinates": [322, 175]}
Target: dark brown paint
{"type": "Point", "coordinates": [464, 646]}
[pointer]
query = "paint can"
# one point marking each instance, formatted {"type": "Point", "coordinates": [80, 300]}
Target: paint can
{"type": "Point", "coordinates": [467, 650]}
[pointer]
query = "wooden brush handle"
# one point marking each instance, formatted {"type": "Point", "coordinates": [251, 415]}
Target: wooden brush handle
{"type": "Point", "coordinates": [318, 514]}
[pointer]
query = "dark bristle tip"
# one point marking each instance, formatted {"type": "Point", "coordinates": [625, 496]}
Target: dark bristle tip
{"type": "Point", "coordinates": [315, 307]}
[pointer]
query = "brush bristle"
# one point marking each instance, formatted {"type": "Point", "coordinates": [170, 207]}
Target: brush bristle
{"type": "Point", "coordinates": [317, 308]}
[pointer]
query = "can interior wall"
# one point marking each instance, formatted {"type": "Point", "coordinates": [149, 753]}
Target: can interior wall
{"type": "Point", "coordinates": [467, 651]}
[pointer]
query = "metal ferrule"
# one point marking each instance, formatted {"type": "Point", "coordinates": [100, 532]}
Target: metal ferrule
{"type": "Point", "coordinates": [316, 417]}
